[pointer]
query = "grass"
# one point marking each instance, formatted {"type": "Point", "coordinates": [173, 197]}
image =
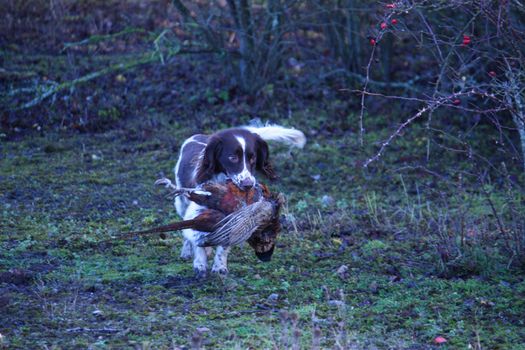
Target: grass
{"type": "Point", "coordinates": [67, 281]}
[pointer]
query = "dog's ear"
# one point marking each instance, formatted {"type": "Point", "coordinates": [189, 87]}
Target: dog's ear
{"type": "Point", "coordinates": [263, 159]}
{"type": "Point", "coordinates": [209, 164]}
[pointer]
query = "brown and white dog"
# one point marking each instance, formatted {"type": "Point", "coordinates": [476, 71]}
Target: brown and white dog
{"type": "Point", "coordinates": [232, 154]}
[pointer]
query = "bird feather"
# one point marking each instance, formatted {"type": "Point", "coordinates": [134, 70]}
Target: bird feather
{"type": "Point", "coordinates": [239, 225]}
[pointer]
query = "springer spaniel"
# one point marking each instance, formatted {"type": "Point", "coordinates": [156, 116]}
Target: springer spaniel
{"type": "Point", "coordinates": [232, 154]}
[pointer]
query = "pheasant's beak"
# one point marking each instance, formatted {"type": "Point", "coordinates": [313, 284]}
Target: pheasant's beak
{"type": "Point", "coordinates": [266, 256]}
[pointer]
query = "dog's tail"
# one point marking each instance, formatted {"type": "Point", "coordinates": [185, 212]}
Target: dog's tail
{"type": "Point", "coordinates": [289, 136]}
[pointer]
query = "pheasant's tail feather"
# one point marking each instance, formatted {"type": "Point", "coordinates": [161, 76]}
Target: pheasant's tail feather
{"type": "Point", "coordinates": [176, 226]}
{"type": "Point", "coordinates": [238, 226]}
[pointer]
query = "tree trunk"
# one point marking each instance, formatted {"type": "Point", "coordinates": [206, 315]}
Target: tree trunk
{"type": "Point", "coordinates": [245, 35]}
{"type": "Point", "coordinates": [353, 25]}
{"type": "Point", "coordinates": [519, 121]}
{"type": "Point", "coordinates": [514, 95]}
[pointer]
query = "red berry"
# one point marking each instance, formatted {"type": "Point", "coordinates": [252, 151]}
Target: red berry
{"type": "Point", "coordinates": [456, 102]}
{"type": "Point", "coordinates": [373, 42]}
{"type": "Point", "coordinates": [492, 74]}
{"type": "Point", "coordinates": [390, 6]}
{"type": "Point", "coordinates": [383, 25]}
{"type": "Point", "coordinates": [394, 21]}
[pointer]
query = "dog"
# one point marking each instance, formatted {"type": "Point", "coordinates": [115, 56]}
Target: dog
{"type": "Point", "coordinates": [234, 154]}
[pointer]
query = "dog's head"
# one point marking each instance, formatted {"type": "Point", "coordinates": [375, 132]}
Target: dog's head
{"type": "Point", "coordinates": [236, 153]}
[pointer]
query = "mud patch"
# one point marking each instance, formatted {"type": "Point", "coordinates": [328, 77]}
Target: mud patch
{"type": "Point", "coordinates": [17, 277]}
{"type": "Point", "coordinates": [181, 285]}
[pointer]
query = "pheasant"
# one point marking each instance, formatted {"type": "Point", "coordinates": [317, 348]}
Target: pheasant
{"type": "Point", "coordinates": [231, 217]}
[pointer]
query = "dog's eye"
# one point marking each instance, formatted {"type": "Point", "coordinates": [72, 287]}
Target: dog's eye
{"type": "Point", "coordinates": [233, 159]}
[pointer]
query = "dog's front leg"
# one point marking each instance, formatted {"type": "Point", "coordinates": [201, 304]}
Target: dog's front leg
{"type": "Point", "coordinates": [186, 251]}
{"type": "Point", "coordinates": [200, 263]}
{"type": "Point", "coordinates": [220, 262]}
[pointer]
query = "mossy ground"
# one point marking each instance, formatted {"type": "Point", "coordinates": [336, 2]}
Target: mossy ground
{"type": "Point", "coordinates": [69, 282]}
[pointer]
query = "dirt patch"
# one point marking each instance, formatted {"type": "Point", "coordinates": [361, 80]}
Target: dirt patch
{"type": "Point", "coordinates": [17, 277]}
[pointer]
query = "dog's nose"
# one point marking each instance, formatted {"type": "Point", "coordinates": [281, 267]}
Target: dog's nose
{"type": "Point", "coordinates": [246, 184]}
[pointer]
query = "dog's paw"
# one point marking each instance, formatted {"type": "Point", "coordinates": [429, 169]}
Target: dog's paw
{"type": "Point", "coordinates": [199, 273]}
{"type": "Point", "coordinates": [220, 270]}
{"type": "Point", "coordinates": [185, 255]}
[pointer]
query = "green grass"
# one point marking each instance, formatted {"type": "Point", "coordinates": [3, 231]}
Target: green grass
{"type": "Point", "coordinates": [66, 197]}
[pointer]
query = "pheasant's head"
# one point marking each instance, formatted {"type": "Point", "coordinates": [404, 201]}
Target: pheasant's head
{"type": "Point", "coordinates": [265, 256]}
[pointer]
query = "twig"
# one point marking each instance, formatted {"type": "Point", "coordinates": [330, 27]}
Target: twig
{"type": "Point", "coordinates": [408, 85]}
{"type": "Point", "coordinates": [362, 112]}
{"type": "Point", "coordinates": [92, 330]}
{"type": "Point", "coordinates": [444, 66]}
{"type": "Point", "coordinates": [495, 213]}
{"type": "Point", "coordinates": [99, 38]}
{"type": "Point", "coordinates": [11, 75]}
{"type": "Point", "coordinates": [385, 144]}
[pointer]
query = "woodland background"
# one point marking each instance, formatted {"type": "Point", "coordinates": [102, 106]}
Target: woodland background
{"type": "Point", "coordinates": [405, 221]}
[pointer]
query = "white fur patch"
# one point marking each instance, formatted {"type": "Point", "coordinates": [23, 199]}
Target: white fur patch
{"type": "Point", "coordinates": [245, 173]}
{"type": "Point", "coordinates": [199, 253]}
{"type": "Point", "coordinates": [202, 193]}
{"type": "Point", "coordinates": [292, 137]}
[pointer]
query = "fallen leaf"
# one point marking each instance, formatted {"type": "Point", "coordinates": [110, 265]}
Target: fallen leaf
{"type": "Point", "coordinates": [440, 340]}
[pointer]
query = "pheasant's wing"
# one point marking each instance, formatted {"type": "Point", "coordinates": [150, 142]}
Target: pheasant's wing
{"type": "Point", "coordinates": [238, 226]}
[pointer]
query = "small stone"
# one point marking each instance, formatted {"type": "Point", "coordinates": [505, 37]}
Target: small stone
{"type": "Point", "coordinates": [98, 313]}
{"type": "Point", "coordinates": [342, 272]}
{"type": "Point", "coordinates": [327, 200]}
{"type": "Point", "coordinates": [337, 303]}
{"type": "Point", "coordinates": [273, 297]}
{"type": "Point", "coordinates": [202, 329]}
{"type": "Point", "coordinates": [135, 202]}
{"type": "Point", "coordinates": [257, 276]}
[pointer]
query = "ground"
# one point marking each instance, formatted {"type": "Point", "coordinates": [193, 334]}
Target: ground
{"type": "Point", "coordinates": [68, 281]}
